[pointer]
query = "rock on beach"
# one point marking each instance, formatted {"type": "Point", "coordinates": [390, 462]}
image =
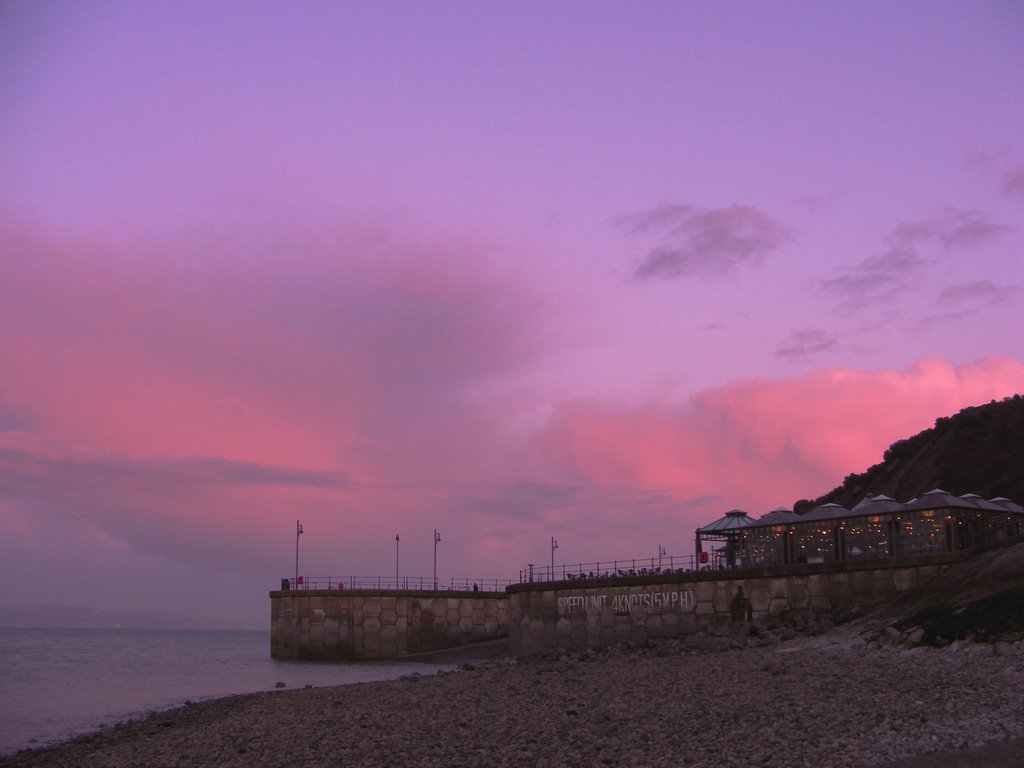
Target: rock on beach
{"type": "Point", "coordinates": [802, 703]}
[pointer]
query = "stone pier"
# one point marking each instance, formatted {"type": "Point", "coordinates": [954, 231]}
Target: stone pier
{"type": "Point", "coordinates": [375, 624]}
{"type": "Point", "coordinates": [567, 615]}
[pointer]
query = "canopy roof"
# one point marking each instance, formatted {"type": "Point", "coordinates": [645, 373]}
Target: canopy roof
{"type": "Point", "coordinates": [733, 520]}
{"type": "Point", "coordinates": [778, 516]}
{"type": "Point", "coordinates": [938, 498]}
{"type": "Point", "coordinates": [736, 519]}
{"type": "Point", "coordinates": [1004, 503]}
{"type": "Point", "coordinates": [877, 505]}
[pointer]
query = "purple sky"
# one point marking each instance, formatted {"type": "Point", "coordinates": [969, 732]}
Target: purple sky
{"type": "Point", "coordinates": [598, 271]}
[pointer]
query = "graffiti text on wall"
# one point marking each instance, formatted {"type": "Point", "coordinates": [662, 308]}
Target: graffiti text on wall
{"type": "Point", "coordinates": [681, 600]}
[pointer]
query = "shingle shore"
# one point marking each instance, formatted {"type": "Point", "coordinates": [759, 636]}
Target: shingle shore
{"type": "Point", "coordinates": [807, 703]}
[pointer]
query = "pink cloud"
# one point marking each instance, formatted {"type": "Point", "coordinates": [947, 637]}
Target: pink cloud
{"type": "Point", "coordinates": [953, 228]}
{"type": "Point", "coordinates": [161, 404]}
{"type": "Point", "coordinates": [177, 405]}
{"type": "Point", "coordinates": [341, 357]}
{"type": "Point", "coordinates": [1013, 182]}
{"type": "Point", "coordinates": [706, 244]}
{"type": "Point", "coordinates": [758, 444]}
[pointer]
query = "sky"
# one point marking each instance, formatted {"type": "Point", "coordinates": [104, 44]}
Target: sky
{"type": "Point", "coordinates": [511, 271]}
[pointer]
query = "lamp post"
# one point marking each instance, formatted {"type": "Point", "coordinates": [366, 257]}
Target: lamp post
{"type": "Point", "coordinates": [661, 552]}
{"type": "Point", "coordinates": [396, 561]}
{"type": "Point", "coordinates": [437, 539]}
{"type": "Point", "coordinates": [298, 532]}
{"type": "Point", "coordinates": [554, 546]}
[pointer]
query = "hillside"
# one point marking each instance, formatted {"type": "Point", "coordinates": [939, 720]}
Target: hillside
{"type": "Point", "coordinates": [979, 450]}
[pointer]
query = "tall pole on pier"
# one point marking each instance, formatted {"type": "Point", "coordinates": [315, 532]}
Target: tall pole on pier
{"type": "Point", "coordinates": [437, 539]}
{"type": "Point", "coordinates": [396, 561]}
{"type": "Point", "coordinates": [554, 546]}
{"type": "Point", "coordinates": [298, 532]}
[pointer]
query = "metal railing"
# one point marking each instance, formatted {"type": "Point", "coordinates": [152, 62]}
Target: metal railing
{"type": "Point", "coordinates": [609, 569]}
{"type": "Point", "coordinates": [421, 583]}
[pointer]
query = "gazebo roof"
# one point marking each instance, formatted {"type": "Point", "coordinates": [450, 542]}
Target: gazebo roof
{"type": "Point", "coordinates": [778, 516]}
{"type": "Point", "coordinates": [733, 520]}
{"type": "Point", "coordinates": [877, 505]}
{"type": "Point", "coordinates": [827, 512]}
{"type": "Point", "coordinates": [940, 499]}
{"type": "Point", "coordinates": [978, 501]}
{"type": "Point", "coordinates": [1005, 503]}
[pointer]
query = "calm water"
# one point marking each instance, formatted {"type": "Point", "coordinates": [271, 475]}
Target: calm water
{"type": "Point", "coordinates": [55, 683]}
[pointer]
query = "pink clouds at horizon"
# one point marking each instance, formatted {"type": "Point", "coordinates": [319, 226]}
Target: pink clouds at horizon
{"type": "Point", "coordinates": [252, 365]}
{"type": "Point", "coordinates": [165, 401]}
{"type": "Point", "coordinates": [165, 422]}
{"type": "Point", "coordinates": [759, 443]}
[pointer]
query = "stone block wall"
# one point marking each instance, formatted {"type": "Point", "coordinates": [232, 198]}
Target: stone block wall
{"type": "Point", "coordinates": [568, 616]}
{"type": "Point", "coordinates": [563, 618]}
{"type": "Point", "coordinates": [370, 624]}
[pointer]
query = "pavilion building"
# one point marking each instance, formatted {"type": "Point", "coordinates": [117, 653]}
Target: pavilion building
{"type": "Point", "coordinates": [877, 527]}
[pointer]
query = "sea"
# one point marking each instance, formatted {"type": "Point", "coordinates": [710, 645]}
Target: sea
{"type": "Point", "coordinates": [59, 683]}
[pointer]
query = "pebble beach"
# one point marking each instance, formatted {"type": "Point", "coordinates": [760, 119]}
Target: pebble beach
{"type": "Point", "coordinates": [823, 702]}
